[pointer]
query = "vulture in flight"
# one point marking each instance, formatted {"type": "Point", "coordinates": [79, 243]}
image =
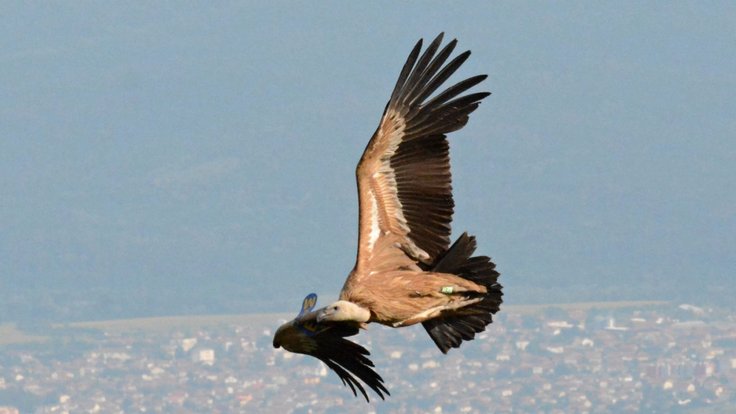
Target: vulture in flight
{"type": "Point", "coordinates": [406, 272]}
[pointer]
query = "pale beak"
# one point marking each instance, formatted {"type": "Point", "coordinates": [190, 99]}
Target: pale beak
{"type": "Point", "coordinates": [322, 315]}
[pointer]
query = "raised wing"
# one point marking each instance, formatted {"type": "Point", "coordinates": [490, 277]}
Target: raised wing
{"type": "Point", "coordinates": [404, 181]}
{"type": "Point", "coordinates": [326, 341]}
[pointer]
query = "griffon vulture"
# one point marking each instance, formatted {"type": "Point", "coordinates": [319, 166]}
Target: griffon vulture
{"type": "Point", "coordinates": [406, 272]}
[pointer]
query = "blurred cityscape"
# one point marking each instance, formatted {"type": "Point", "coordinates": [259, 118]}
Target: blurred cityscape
{"type": "Point", "coordinates": [573, 359]}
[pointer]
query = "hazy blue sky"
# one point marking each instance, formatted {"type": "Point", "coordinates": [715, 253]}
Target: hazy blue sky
{"type": "Point", "coordinates": [161, 146]}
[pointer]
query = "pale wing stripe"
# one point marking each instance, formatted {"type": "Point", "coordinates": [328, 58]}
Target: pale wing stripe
{"type": "Point", "coordinates": [384, 183]}
{"type": "Point", "coordinates": [375, 229]}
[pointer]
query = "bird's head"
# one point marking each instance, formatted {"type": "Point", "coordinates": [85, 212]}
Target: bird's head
{"type": "Point", "coordinates": [342, 311]}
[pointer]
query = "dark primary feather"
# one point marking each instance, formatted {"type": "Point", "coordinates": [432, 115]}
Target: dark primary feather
{"type": "Point", "coordinates": [421, 162]}
{"type": "Point", "coordinates": [327, 342]}
{"type": "Point", "coordinates": [405, 71]}
{"type": "Point", "coordinates": [348, 360]}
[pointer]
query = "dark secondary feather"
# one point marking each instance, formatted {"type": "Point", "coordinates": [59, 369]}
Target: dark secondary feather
{"type": "Point", "coordinates": [348, 359]}
{"type": "Point", "coordinates": [421, 162]}
{"type": "Point", "coordinates": [449, 331]}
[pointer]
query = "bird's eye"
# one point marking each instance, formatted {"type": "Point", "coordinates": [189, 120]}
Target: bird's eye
{"type": "Point", "coordinates": [336, 308]}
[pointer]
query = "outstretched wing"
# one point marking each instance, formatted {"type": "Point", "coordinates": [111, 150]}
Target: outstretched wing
{"type": "Point", "coordinates": [348, 359]}
{"type": "Point", "coordinates": [404, 182]}
{"type": "Point", "coordinates": [326, 341]}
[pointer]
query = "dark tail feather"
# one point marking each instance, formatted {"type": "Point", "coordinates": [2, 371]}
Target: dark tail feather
{"type": "Point", "coordinates": [448, 331]}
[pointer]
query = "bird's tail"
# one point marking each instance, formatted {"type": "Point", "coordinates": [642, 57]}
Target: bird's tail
{"type": "Point", "coordinates": [450, 329]}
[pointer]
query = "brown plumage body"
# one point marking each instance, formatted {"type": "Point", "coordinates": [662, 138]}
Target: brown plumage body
{"type": "Point", "coordinates": [398, 296]}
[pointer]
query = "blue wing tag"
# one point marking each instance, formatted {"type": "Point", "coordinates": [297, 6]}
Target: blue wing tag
{"type": "Point", "coordinates": [309, 302]}
{"type": "Point", "coordinates": [309, 328]}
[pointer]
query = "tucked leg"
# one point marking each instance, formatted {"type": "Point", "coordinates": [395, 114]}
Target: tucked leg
{"type": "Point", "coordinates": [434, 311]}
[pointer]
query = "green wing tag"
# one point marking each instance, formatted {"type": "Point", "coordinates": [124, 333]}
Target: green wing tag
{"type": "Point", "coordinates": [447, 290]}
